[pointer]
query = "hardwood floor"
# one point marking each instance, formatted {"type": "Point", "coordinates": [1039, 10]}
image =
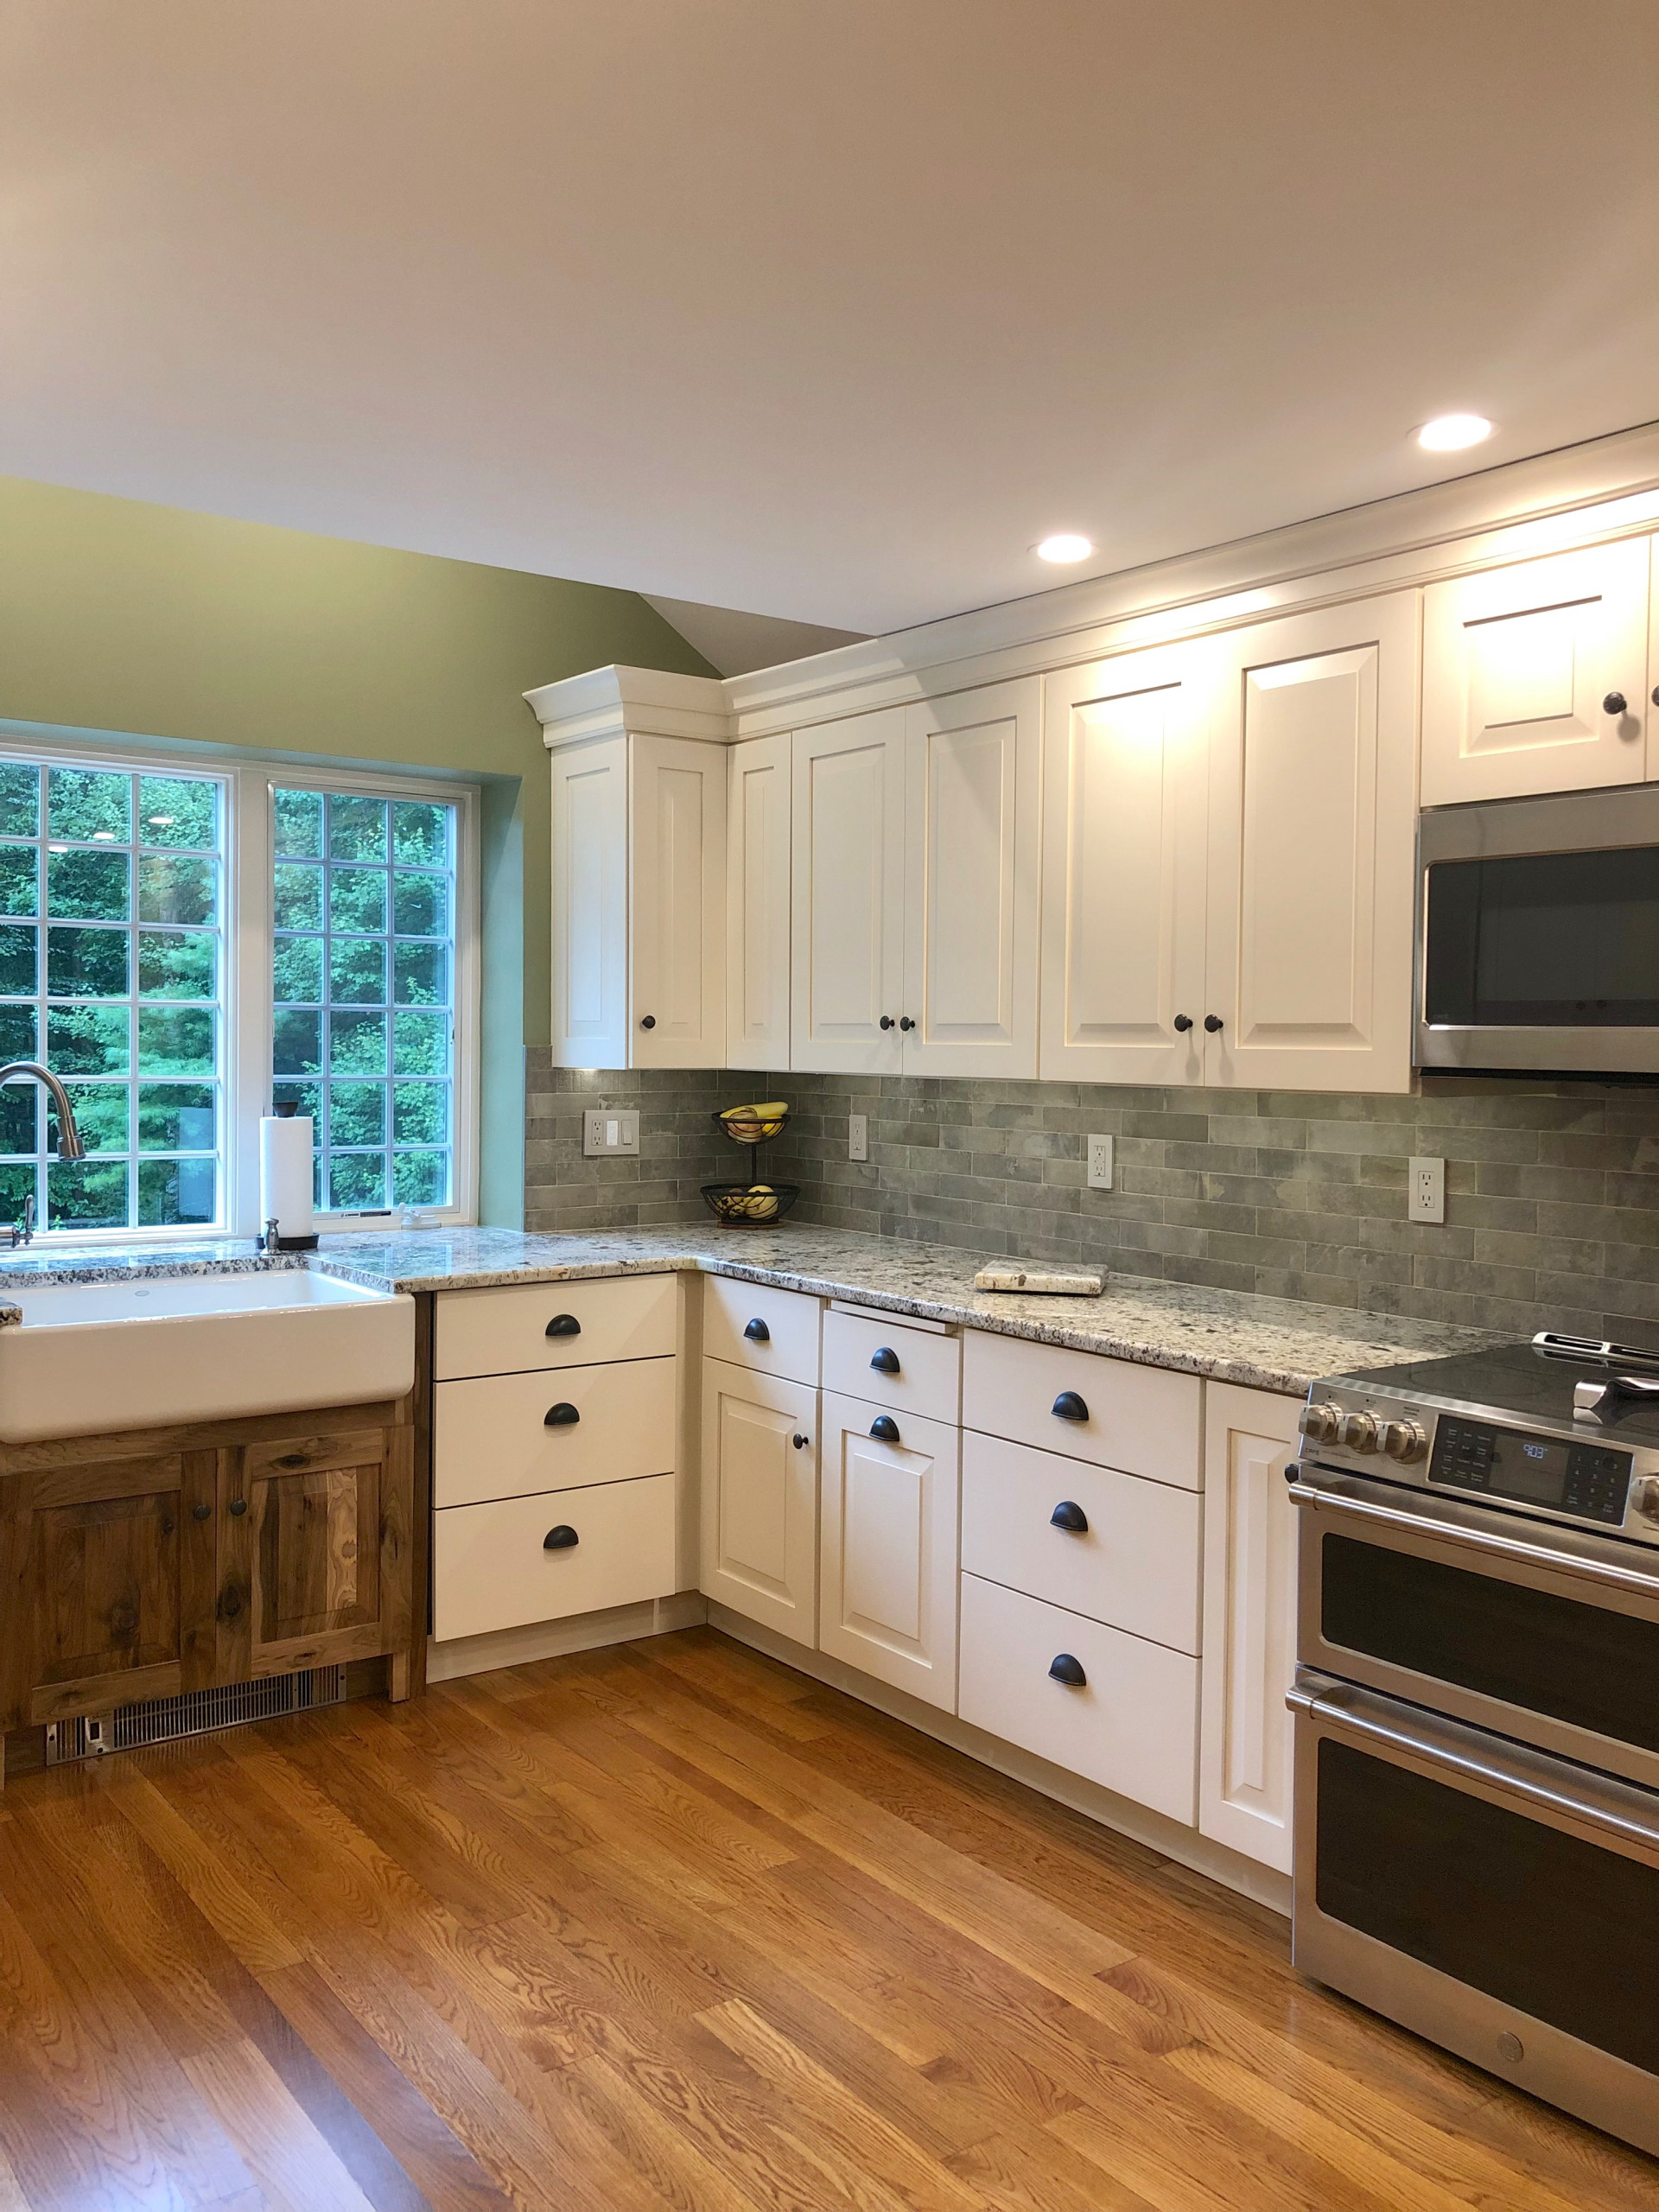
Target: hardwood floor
{"type": "Point", "coordinates": [669, 1926]}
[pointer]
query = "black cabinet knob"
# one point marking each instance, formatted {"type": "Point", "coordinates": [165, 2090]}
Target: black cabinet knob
{"type": "Point", "coordinates": [904, 1021]}
{"type": "Point", "coordinates": [1063, 1667]}
{"type": "Point", "coordinates": [886, 1021]}
{"type": "Point", "coordinates": [1183, 1022]}
{"type": "Point", "coordinates": [884, 1361]}
{"type": "Point", "coordinates": [886, 1429]}
{"type": "Point", "coordinates": [647, 1021]}
{"type": "Point", "coordinates": [758, 1333]}
{"type": "Point", "coordinates": [560, 1539]}
{"type": "Point", "coordinates": [1069, 1407]}
{"type": "Point", "coordinates": [1068, 1515]}
{"type": "Point", "coordinates": [1656, 695]}
{"type": "Point", "coordinates": [1212, 1023]}
{"type": "Point", "coordinates": [1614, 704]}
{"type": "Point", "coordinates": [200, 1512]}
{"type": "Point", "coordinates": [238, 1507]}
{"type": "Point", "coordinates": [799, 1441]}
{"type": "Point", "coordinates": [563, 1415]}
{"type": "Point", "coordinates": [564, 1325]}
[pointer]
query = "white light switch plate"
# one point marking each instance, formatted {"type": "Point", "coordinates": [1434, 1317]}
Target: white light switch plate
{"type": "Point", "coordinates": [608, 1132]}
{"type": "Point", "coordinates": [858, 1136]}
{"type": "Point", "coordinates": [1424, 1190]}
{"type": "Point", "coordinates": [1100, 1163]}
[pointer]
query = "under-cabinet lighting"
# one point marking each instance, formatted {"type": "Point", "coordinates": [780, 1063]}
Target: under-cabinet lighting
{"type": "Point", "coordinates": [1064, 546]}
{"type": "Point", "coordinates": [1452, 433]}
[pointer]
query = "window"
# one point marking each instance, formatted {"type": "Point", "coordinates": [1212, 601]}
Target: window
{"type": "Point", "coordinates": [364, 901]}
{"type": "Point", "coordinates": [186, 942]}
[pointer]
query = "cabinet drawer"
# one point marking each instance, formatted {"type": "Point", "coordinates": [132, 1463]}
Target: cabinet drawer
{"type": "Point", "coordinates": [491, 1437]}
{"type": "Point", "coordinates": [928, 1376]}
{"type": "Point", "coordinates": [491, 1568]}
{"type": "Point", "coordinates": [784, 1322]}
{"type": "Point", "coordinates": [1135, 1566]}
{"type": "Point", "coordinates": [1132, 1726]}
{"type": "Point", "coordinates": [504, 1331]}
{"type": "Point", "coordinates": [1140, 1419]}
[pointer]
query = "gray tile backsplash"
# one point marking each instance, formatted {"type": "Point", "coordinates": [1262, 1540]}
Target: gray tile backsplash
{"type": "Point", "coordinates": [1552, 1188]}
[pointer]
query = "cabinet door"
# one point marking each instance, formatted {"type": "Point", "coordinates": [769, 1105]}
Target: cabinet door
{"type": "Point", "coordinates": [1313, 827]}
{"type": "Point", "coordinates": [1249, 1623]}
{"type": "Point", "coordinates": [1517, 665]}
{"type": "Point", "coordinates": [847, 888]}
{"type": "Point", "coordinates": [106, 1585]}
{"type": "Point", "coordinates": [1124, 769]}
{"type": "Point", "coordinates": [887, 1564]}
{"type": "Point", "coordinates": [315, 1551]}
{"type": "Point", "coordinates": [677, 880]}
{"type": "Point", "coordinates": [760, 1498]}
{"type": "Point", "coordinates": [972, 857]}
{"type": "Point", "coordinates": [590, 906]}
{"type": "Point", "coordinates": [757, 913]}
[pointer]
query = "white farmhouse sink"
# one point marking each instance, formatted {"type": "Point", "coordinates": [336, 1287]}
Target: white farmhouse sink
{"type": "Point", "coordinates": [95, 1356]}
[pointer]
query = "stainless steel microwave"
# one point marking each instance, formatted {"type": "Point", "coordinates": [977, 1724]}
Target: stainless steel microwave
{"type": "Point", "coordinates": [1538, 934]}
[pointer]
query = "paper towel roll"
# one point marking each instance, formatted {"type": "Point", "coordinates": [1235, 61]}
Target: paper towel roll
{"type": "Point", "coordinates": [285, 1176]}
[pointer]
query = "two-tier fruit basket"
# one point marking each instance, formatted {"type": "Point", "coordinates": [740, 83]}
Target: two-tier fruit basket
{"type": "Point", "coordinates": [754, 1204]}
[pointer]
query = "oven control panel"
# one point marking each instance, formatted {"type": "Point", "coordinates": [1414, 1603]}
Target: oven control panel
{"type": "Point", "coordinates": [1587, 1480]}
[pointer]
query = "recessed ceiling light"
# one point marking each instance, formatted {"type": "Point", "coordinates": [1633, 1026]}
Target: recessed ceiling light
{"type": "Point", "coordinates": [1064, 546]}
{"type": "Point", "coordinates": [1452, 433]}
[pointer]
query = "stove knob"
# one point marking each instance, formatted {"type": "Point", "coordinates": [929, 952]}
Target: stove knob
{"type": "Point", "coordinates": [1404, 1440]}
{"type": "Point", "coordinates": [1319, 1423]}
{"type": "Point", "coordinates": [1359, 1432]}
{"type": "Point", "coordinates": [1645, 1498]}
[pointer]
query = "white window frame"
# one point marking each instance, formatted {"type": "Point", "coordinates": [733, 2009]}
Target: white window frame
{"type": "Point", "coordinates": [248, 858]}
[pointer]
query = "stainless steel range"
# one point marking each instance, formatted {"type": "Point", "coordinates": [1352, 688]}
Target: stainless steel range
{"type": "Point", "coordinates": [1477, 1701]}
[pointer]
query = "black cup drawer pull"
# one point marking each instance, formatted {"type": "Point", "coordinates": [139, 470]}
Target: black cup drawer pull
{"type": "Point", "coordinates": [884, 1361]}
{"type": "Point", "coordinates": [1069, 1407]}
{"type": "Point", "coordinates": [884, 1429]}
{"type": "Point", "coordinates": [562, 1539]}
{"type": "Point", "coordinates": [1063, 1667]}
{"type": "Point", "coordinates": [758, 1333]}
{"type": "Point", "coordinates": [564, 1325]}
{"type": "Point", "coordinates": [1068, 1515]}
{"type": "Point", "coordinates": [563, 1415]}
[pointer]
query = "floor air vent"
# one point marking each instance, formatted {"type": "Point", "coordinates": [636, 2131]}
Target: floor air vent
{"type": "Point", "coordinates": [196, 1713]}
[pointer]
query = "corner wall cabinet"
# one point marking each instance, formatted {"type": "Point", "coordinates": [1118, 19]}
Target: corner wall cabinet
{"type": "Point", "coordinates": [757, 924]}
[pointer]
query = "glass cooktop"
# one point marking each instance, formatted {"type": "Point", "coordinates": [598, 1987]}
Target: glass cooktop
{"type": "Point", "coordinates": [1518, 1383]}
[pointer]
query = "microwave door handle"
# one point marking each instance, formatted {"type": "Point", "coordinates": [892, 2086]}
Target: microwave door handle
{"type": "Point", "coordinates": [1613, 1810]}
{"type": "Point", "coordinates": [1488, 1542]}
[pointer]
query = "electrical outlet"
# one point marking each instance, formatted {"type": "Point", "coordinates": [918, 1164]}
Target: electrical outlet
{"type": "Point", "coordinates": [1424, 1190]}
{"type": "Point", "coordinates": [608, 1133]}
{"type": "Point", "coordinates": [1100, 1163]}
{"type": "Point", "coordinates": [858, 1136]}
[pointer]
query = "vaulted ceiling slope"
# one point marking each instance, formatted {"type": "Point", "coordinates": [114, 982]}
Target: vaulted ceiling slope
{"type": "Point", "coordinates": [825, 308]}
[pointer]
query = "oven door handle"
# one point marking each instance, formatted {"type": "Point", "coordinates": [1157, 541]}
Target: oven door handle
{"type": "Point", "coordinates": [1612, 1809]}
{"type": "Point", "coordinates": [1488, 1542]}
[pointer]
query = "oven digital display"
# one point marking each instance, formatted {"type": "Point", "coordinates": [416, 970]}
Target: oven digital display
{"type": "Point", "coordinates": [1579, 1478]}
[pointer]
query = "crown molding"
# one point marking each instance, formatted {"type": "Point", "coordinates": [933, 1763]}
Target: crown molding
{"type": "Point", "coordinates": [645, 702]}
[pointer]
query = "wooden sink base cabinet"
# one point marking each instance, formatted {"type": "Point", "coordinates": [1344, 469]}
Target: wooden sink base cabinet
{"type": "Point", "coordinates": [150, 1564]}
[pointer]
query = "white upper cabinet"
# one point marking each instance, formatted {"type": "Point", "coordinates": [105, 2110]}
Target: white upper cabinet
{"type": "Point", "coordinates": [590, 906]}
{"type": "Point", "coordinates": [1535, 677]}
{"type": "Point", "coordinates": [1124, 776]}
{"type": "Point", "coordinates": [972, 849]}
{"type": "Point", "coordinates": [1313, 827]}
{"type": "Point", "coordinates": [757, 928]}
{"type": "Point", "coordinates": [847, 894]}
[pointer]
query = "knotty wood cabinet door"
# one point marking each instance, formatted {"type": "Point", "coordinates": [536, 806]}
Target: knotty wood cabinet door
{"type": "Point", "coordinates": [847, 894]}
{"type": "Point", "coordinates": [315, 1543]}
{"type": "Point", "coordinates": [757, 913]}
{"type": "Point", "coordinates": [760, 1547]}
{"type": "Point", "coordinates": [972, 837]}
{"type": "Point", "coordinates": [887, 1560]}
{"type": "Point", "coordinates": [106, 1585]}
{"type": "Point", "coordinates": [677, 900]}
{"type": "Point", "coordinates": [1312, 830]}
{"type": "Point", "coordinates": [1125, 769]}
{"type": "Point", "coordinates": [1249, 1623]}
{"type": "Point", "coordinates": [1518, 665]}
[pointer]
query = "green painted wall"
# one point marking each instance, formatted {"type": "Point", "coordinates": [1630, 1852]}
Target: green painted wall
{"type": "Point", "coordinates": [120, 617]}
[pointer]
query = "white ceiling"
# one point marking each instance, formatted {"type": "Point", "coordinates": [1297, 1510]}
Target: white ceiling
{"type": "Point", "coordinates": [825, 308]}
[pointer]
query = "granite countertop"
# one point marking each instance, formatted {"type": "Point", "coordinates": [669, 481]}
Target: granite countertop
{"type": "Point", "coordinates": [1265, 1344]}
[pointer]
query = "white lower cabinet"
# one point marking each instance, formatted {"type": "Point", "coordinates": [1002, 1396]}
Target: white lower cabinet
{"type": "Point", "coordinates": [1126, 1717]}
{"type": "Point", "coordinates": [759, 1504]}
{"type": "Point", "coordinates": [1249, 1623]}
{"type": "Point", "coordinates": [888, 1566]}
{"type": "Point", "coordinates": [540, 1559]}
{"type": "Point", "coordinates": [512, 1435]}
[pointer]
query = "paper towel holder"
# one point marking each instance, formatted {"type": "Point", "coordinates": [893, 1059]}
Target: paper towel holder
{"type": "Point", "coordinates": [271, 1240]}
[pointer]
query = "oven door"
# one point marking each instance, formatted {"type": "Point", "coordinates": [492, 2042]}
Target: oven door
{"type": "Point", "coordinates": [1502, 1903]}
{"type": "Point", "coordinates": [1545, 1633]}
